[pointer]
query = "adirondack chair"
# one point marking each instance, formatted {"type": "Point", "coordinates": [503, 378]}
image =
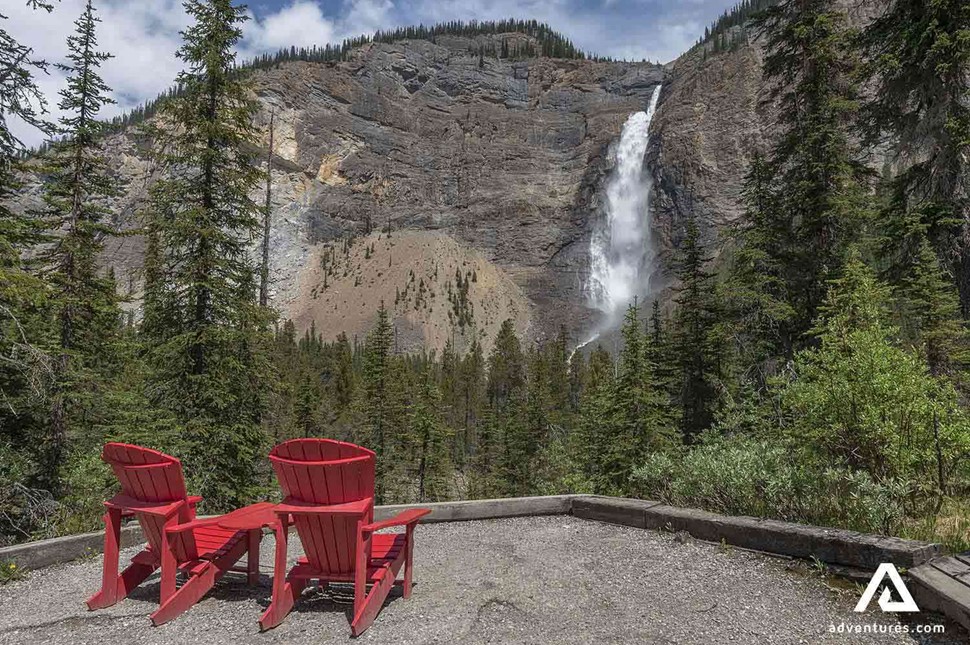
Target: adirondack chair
{"type": "Point", "coordinates": [153, 491]}
{"type": "Point", "coordinates": [329, 494]}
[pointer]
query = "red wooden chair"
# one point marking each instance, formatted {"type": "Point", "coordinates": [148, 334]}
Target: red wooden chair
{"type": "Point", "coordinates": [329, 493]}
{"type": "Point", "coordinates": [153, 491]}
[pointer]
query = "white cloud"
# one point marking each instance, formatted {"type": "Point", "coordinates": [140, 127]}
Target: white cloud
{"type": "Point", "coordinates": [366, 16]}
{"type": "Point", "coordinates": [300, 24]}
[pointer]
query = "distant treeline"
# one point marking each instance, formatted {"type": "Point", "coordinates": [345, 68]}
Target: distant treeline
{"type": "Point", "coordinates": [722, 35]}
{"type": "Point", "coordinates": [548, 43]}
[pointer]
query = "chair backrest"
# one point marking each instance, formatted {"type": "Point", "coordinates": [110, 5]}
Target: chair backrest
{"type": "Point", "coordinates": [325, 472]}
{"type": "Point", "coordinates": [151, 476]}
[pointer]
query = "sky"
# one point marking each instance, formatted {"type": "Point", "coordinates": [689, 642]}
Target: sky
{"type": "Point", "coordinates": [143, 35]}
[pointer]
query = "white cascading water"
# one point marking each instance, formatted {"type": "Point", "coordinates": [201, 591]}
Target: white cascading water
{"type": "Point", "coordinates": [621, 252]}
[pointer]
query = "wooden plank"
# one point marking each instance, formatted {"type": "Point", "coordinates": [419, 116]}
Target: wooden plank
{"type": "Point", "coordinates": [934, 590]}
{"type": "Point", "coordinates": [952, 567]}
{"type": "Point", "coordinates": [335, 486]}
{"type": "Point", "coordinates": [322, 544]}
{"type": "Point", "coordinates": [963, 557]}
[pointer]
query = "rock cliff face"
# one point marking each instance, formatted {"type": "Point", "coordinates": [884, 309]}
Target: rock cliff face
{"type": "Point", "coordinates": [404, 171]}
{"type": "Point", "coordinates": [715, 113]}
{"type": "Point", "coordinates": [497, 162]}
{"type": "Point", "coordinates": [713, 117]}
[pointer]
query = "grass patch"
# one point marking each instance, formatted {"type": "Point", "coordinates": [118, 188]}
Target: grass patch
{"type": "Point", "coordinates": [9, 571]}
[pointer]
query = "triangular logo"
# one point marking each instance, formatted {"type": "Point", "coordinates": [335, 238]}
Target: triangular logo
{"type": "Point", "coordinates": [885, 600]}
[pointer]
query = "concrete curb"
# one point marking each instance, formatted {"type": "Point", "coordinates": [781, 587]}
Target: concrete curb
{"type": "Point", "coordinates": [44, 553]}
{"type": "Point", "coordinates": [485, 509]}
{"type": "Point", "coordinates": [833, 546]}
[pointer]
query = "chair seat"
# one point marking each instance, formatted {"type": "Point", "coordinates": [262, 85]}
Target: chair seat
{"type": "Point", "coordinates": [214, 541]}
{"type": "Point", "coordinates": [385, 547]}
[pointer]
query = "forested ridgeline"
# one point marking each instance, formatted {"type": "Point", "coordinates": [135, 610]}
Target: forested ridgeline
{"type": "Point", "coordinates": [542, 41]}
{"type": "Point", "coordinates": [815, 372]}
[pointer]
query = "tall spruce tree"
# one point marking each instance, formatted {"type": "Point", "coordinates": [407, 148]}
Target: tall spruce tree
{"type": "Point", "coordinates": [20, 290]}
{"type": "Point", "coordinates": [641, 420]}
{"type": "Point", "coordinates": [817, 203]}
{"type": "Point", "coordinates": [375, 394]}
{"type": "Point", "coordinates": [918, 52]}
{"type": "Point", "coordinates": [25, 366]}
{"type": "Point", "coordinates": [930, 309]}
{"type": "Point", "coordinates": [202, 322]}
{"type": "Point", "coordinates": [590, 439]}
{"type": "Point", "coordinates": [432, 442]}
{"type": "Point", "coordinates": [756, 289]}
{"type": "Point", "coordinates": [485, 479]}
{"type": "Point", "coordinates": [84, 302]}
{"type": "Point", "coordinates": [508, 389]}
{"type": "Point", "coordinates": [471, 389]}
{"type": "Point", "coordinates": [697, 347]}
{"type": "Point", "coordinates": [267, 217]}
{"type": "Point", "coordinates": [506, 368]}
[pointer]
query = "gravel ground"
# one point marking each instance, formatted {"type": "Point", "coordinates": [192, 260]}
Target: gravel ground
{"type": "Point", "coordinates": [531, 580]}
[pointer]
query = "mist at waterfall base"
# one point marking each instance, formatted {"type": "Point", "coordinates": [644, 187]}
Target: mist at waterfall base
{"type": "Point", "coordinates": [621, 251]}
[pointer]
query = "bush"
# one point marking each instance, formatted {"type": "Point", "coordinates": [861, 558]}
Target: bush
{"type": "Point", "coordinates": [25, 512]}
{"type": "Point", "coordinates": [88, 482]}
{"type": "Point", "coordinates": [746, 476]}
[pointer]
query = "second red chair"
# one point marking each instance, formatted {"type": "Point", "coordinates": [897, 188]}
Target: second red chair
{"type": "Point", "coordinates": [329, 493]}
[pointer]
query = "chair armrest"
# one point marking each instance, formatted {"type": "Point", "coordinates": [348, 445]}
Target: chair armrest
{"type": "Point", "coordinates": [130, 504]}
{"type": "Point", "coordinates": [401, 519]}
{"type": "Point", "coordinates": [291, 506]}
{"type": "Point", "coordinates": [194, 500]}
{"type": "Point", "coordinates": [193, 524]}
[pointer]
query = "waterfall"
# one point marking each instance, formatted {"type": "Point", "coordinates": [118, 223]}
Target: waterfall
{"type": "Point", "coordinates": [621, 252]}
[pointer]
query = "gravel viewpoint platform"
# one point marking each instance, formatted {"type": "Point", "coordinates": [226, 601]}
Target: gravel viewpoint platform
{"type": "Point", "coordinates": [526, 580]}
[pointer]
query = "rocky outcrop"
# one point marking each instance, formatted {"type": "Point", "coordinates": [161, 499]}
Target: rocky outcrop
{"type": "Point", "coordinates": [714, 115]}
{"type": "Point", "coordinates": [501, 158]}
{"type": "Point", "coordinates": [716, 112]}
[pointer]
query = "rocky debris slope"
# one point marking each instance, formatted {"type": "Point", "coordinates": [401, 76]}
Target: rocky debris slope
{"type": "Point", "coordinates": [434, 288]}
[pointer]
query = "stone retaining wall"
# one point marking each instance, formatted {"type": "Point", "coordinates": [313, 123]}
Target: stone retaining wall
{"type": "Point", "coordinates": [833, 546]}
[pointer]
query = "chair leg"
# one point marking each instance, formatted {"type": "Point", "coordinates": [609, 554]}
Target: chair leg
{"type": "Point", "coordinates": [195, 587]}
{"type": "Point", "coordinates": [169, 570]}
{"type": "Point", "coordinates": [183, 599]}
{"type": "Point", "coordinates": [409, 548]}
{"type": "Point", "coordinates": [127, 582]}
{"type": "Point", "coordinates": [360, 568]}
{"type": "Point", "coordinates": [253, 538]}
{"type": "Point", "coordinates": [371, 605]}
{"type": "Point", "coordinates": [285, 592]}
{"type": "Point", "coordinates": [110, 580]}
{"type": "Point", "coordinates": [282, 604]}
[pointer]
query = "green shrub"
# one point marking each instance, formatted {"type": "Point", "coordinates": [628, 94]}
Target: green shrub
{"type": "Point", "coordinates": [746, 476]}
{"type": "Point", "coordinates": [25, 512]}
{"type": "Point", "coordinates": [88, 482]}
